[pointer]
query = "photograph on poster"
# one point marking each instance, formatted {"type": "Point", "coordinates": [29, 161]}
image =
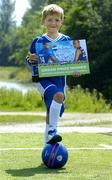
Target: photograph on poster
{"type": "Point", "coordinates": [62, 58]}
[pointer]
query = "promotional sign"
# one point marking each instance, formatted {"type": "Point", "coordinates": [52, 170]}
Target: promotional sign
{"type": "Point", "coordinates": [62, 58]}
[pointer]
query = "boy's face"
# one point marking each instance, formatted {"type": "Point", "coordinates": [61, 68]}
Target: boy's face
{"type": "Point", "coordinates": [53, 23]}
{"type": "Point", "coordinates": [76, 44]}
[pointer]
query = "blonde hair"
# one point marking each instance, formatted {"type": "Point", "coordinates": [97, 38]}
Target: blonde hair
{"type": "Point", "coordinates": [52, 9]}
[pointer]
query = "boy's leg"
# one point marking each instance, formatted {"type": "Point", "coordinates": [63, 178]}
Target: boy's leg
{"type": "Point", "coordinates": [53, 98]}
{"type": "Point", "coordinates": [46, 133]}
{"type": "Point", "coordinates": [54, 113]}
{"type": "Point", "coordinates": [55, 107]}
{"type": "Point", "coordinates": [46, 129]}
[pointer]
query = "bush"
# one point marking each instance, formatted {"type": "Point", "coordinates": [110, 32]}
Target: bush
{"type": "Point", "coordinates": [21, 75]}
{"type": "Point", "coordinates": [78, 100]}
{"type": "Point", "coordinates": [15, 100]}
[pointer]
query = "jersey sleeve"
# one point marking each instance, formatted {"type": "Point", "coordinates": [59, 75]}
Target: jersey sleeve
{"type": "Point", "coordinates": [32, 47]}
{"type": "Point", "coordinates": [32, 50]}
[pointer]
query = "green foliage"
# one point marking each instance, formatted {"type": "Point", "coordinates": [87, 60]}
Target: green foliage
{"type": "Point", "coordinates": [15, 100]}
{"type": "Point", "coordinates": [7, 33]}
{"type": "Point", "coordinates": [15, 74]}
{"type": "Point", "coordinates": [78, 100]}
{"type": "Point", "coordinates": [26, 33]}
{"type": "Point", "coordinates": [22, 75]}
{"type": "Point", "coordinates": [20, 119]}
{"type": "Point", "coordinates": [36, 5]}
{"type": "Point", "coordinates": [30, 28]}
{"type": "Point", "coordinates": [92, 20]}
{"type": "Point", "coordinates": [6, 17]}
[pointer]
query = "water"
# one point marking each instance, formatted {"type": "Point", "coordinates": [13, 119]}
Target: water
{"type": "Point", "coordinates": [18, 86]}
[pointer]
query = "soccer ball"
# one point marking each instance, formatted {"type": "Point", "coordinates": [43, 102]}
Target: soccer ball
{"type": "Point", "coordinates": [54, 155]}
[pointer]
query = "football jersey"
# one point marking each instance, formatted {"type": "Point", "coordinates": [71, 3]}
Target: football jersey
{"type": "Point", "coordinates": [59, 81]}
{"type": "Point", "coordinates": [82, 56]}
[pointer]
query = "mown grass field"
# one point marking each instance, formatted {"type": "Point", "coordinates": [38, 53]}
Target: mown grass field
{"type": "Point", "coordinates": [21, 119]}
{"type": "Point", "coordinates": [83, 164]}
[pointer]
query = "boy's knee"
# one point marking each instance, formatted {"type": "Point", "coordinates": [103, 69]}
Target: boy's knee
{"type": "Point", "coordinates": [59, 97]}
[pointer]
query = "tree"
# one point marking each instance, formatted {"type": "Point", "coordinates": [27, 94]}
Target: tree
{"type": "Point", "coordinates": [6, 15]}
{"type": "Point", "coordinates": [91, 20]}
{"type": "Point", "coordinates": [7, 25]}
{"type": "Point", "coordinates": [30, 28]}
{"type": "Point", "coordinates": [36, 5]}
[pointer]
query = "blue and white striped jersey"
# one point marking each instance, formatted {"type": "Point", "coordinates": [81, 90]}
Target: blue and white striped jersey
{"type": "Point", "coordinates": [59, 81]}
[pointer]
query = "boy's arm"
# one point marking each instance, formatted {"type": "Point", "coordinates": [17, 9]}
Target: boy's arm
{"type": "Point", "coordinates": [32, 58]}
{"type": "Point", "coordinates": [77, 54]}
{"type": "Point", "coordinates": [76, 74]}
{"type": "Point", "coordinates": [53, 58]}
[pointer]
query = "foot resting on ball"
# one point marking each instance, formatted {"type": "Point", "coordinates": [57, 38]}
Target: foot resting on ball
{"type": "Point", "coordinates": [53, 137]}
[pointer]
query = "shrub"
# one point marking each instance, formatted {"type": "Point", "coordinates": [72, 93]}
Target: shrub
{"type": "Point", "coordinates": [78, 100]}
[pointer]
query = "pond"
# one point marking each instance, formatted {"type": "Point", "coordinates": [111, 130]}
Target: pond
{"type": "Point", "coordinates": [18, 86]}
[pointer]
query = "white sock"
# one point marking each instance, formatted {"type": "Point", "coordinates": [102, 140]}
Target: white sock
{"type": "Point", "coordinates": [54, 113]}
{"type": "Point", "coordinates": [46, 133]}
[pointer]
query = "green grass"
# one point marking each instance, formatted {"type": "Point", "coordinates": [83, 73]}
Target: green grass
{"type": "Point", "coordinates": [20, 119]}
{"type": "Point", "coordinates": [82, 100]}
{"type": "Point", "coordinates": [14, 100]}
{"type": "Point", "coordinates": [17, 74]}
{"type": "Point", "coordinates": [77, 100]}
{"type": "Point", "coordinates": [5, 73]}
{"type": "Point", "coordinates": [82, 164]}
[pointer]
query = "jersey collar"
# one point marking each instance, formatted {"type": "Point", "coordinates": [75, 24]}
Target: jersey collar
{"type": "Point", "coordinates": [50, 39]}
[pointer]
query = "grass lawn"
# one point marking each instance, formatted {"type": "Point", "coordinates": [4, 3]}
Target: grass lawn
{"type": "Point", "coordinates": [20, 119]}
{"type": "Point", "coordinates": [94, 164]}
{"type": "Point", "coordinates": [14, 74]}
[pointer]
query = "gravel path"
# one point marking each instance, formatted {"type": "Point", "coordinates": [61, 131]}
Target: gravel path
{"type": "Point", "coordinates": [68, 118]}
{"type": "Point", "coordinates": [26, 128]}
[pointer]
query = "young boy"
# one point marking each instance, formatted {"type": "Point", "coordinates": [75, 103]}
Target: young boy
{"type": "Point", "coordinates": [80, 54]}
{"type": "Point", "coordinates": [46, 55]}
{"type": "Point", "coordinates": [52, 89]}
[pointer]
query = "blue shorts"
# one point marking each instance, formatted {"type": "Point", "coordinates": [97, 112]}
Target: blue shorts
{"type": "Point", "coordinates": [48, 89]}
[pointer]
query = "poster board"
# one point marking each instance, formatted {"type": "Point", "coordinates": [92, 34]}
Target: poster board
{"type": "Point", "coordinates": [62, 58]}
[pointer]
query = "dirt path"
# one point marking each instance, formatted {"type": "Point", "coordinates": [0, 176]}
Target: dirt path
{"type": "Point", "coordinates": [71, 115]}
{"type": "Point", "coordinates": [36, 128]}
{"type": "Point", "coordinates": [68, 118]}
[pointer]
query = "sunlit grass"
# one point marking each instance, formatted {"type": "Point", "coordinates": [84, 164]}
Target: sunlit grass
{"type": "Point", "coordinates": [77, 100]}
{"type": "Point", "coordinates": [17, 74]}
{"type": "Point", "coordinates": [20, 119]}
{"type": "Point", "coordinates": [82, 164]}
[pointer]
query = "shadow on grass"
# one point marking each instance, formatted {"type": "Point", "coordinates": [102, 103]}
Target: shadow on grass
{"type": "Point", "coordinates": [41, 169]}
{"type": "Point", "coordinates": [107, 134]}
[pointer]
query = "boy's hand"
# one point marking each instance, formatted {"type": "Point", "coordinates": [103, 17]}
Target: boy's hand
{"type": "Point", "coordinates": [76, 74]}
{"type": "Point", "coordinates": [33, 58]}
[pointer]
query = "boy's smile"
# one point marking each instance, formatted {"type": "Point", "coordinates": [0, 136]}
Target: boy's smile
{"type": "Point", "coordinates": [53, 23]}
